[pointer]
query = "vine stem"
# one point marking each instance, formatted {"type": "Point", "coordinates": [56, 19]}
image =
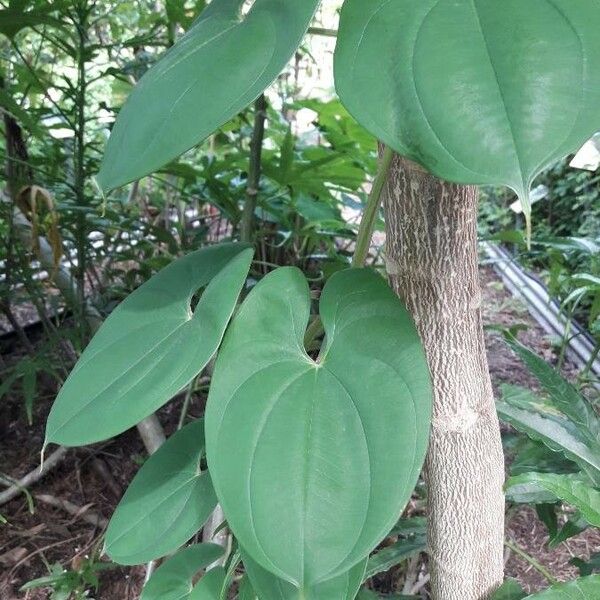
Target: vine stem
{"type": "Point", "coordinates": [367, 224]}
{"type": "Point", "coordinates": [365, 232]}
{"type": "Point", "coordinates": [322, 31]}
{"type": "Point", "coordinates": [532, 561]}
{"type": "Point", "coordinates": [254, 169]}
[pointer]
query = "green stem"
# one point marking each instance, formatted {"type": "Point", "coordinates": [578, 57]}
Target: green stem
{"type": "Point", "coordinates": [367, 224]}
{"type": "Point", "coordinates": [365, 233]}
{"type": "Point", "coordinates": [590, 363]}
{"type": "Point", "coordinates": [254, 169]}
{"type": "Point", "coordinates": [322, 31]}
{"type": "Point", "coordinates": [532, 561]}
{"type": "Point", "coordinates": [186, 404]}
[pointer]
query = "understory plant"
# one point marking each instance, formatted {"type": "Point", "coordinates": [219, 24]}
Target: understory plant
{"type": "Point", "coordinates": [555, 462]}
{"type": "Point", "coordinates": [317, 421]}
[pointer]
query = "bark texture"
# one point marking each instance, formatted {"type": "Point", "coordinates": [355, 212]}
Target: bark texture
{"type": "Point", "coordinates": [432, 262]}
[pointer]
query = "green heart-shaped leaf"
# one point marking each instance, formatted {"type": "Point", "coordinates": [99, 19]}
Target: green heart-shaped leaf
{"type": "Point", "coordinates": [173, 579]}
{"type": "Point", "coordinates": [269, 587]}
{"type": "Point", "coordinates": [167, 502]}
{"type": "Point", "coordinates": [217, 68]}
{"type": "Point", "coordinates": [327, 451]}
{"type": "Point", "coordinates": [477, 91]}
{"type": "Point", "coordinates": [150, 347]}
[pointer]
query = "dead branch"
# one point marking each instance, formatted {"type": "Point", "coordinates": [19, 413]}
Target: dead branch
{"type": "Point", "coordinates": [34, 476]}
{"type": "Point", "coordinates": [80, 512]}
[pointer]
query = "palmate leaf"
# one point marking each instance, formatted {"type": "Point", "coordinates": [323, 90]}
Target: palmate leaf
{"type": "Point", "coordinates": [542, 420]}
{"type": "Point", "coordinates": [327, 451]}
{"type": "Point", "coordinates": [173, 579]}
{"type": "Point", "coordinates": [166, 503]}
{"type": "Point", "coordinates": [547, 488]}
{"type": "Point", "coordinates": [218, 68]}
{"type": "Point", "coordinates": [585, 588]}
{"type": "Point", "coordinates": [476, 91]}
{"type": "Point", "coordinates": [269, 587]}
{"type": "Point", "coordinates": [150, 347]}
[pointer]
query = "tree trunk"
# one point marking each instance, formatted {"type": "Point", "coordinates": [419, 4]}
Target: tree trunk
{"type": "Point", "coordinates": [433, 265]}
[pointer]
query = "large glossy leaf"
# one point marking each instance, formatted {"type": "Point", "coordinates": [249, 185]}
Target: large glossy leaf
{"type": "Point", "coordinates": [150, 347]}
{"type": "Point", "coordinates": [173, 579]}
{"type": "Point", "coordinates": [547, 487]}
{"type": "Point", "coordinates": [217, 68]}
{"type": "Point", "coordinates": [327, 451]}
{"type": "Point", "coordinates": [586, 588]}
{"type": "Point", "coordinates": [542, 420]}
{"type": "Point", "coordinates": [270, 587]}
{"type": "Point", "coordinates": [167, 502]}
{"type": "Point", "coordinates": [476, 91]}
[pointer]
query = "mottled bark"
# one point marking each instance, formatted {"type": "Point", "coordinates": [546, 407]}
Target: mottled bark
{"type": "Point", "coordinates": [432, 262]}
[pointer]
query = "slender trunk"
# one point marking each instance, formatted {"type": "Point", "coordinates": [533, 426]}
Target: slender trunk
{"type": "Point", "coordinates": [433, 266]}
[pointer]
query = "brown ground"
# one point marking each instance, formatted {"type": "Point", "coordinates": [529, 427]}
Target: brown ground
{"type": "Point", "coordinates": [31, 542]}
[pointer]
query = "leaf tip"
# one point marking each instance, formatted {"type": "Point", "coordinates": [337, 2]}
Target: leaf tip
{"type": "Point", "coordinates": [43, 454]}
{"type": "Point", "coordinates": [526, 207]}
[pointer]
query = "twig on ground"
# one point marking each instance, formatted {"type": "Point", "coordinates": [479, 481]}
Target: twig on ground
{"type": "Point", "coordinates": [423, 581]}
{"type": "Point", "coordinates": [102, 470]}
{"type": "Point", "coordinates": [532, 561]}
{"type": "Point", "coordinates": [41, 551]}
{"type": "Point", "coordinates": [80, 512]}
{"type": "Point", "coordinates": [34, 476]}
